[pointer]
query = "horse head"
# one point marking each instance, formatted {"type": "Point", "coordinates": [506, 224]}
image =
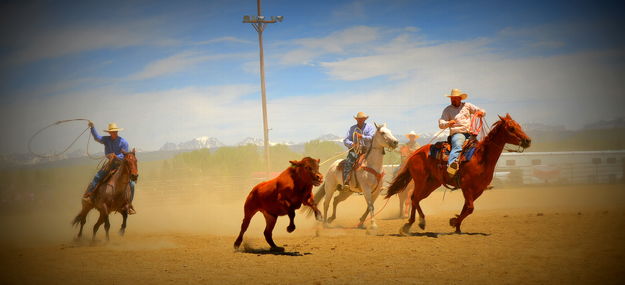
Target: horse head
{"type": "Point", "coordinates": [513, 133]}
{"type": "Point", "coordinates": [384, 137]}
{"type": "Point", "coordinates": [131, 160]}
{"type": "Point", "coordinates": [308, 168]}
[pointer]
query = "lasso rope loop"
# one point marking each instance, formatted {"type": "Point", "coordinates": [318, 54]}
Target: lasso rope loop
{"type": "Point", "coordinates": [68, 147]}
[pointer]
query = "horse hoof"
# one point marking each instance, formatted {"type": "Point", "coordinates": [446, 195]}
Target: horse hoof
{"type": "Point", "coordinates": [331, 219]}
{"type": "Point", "coordinates": [361, 226]}
{"type": "Point", "coordinates": [277, 249]}
{"type": "Point", "coordinates": [372, 231]}
{"type": "Point", "coordinates": [405, 230]}
{"type": "Point", "coordinates": [422, 226]}
{"type": "Point", "coordinates": [290, 229]}
{"type": "Point", "coordinates": [453, 222]}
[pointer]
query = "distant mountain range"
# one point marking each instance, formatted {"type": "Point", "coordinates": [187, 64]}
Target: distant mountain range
{"type": "Point", "coordinates": [194, 144]}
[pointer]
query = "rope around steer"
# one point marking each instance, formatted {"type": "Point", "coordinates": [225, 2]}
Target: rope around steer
{"type": "Point", "coordinates": [68, 147]}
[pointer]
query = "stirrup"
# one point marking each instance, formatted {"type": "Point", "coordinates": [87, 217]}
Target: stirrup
{"type": "Point", "coordinates": [452, 168]}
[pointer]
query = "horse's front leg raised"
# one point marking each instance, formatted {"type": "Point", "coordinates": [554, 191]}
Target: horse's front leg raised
{"type": "Point", "coordinates": [291, 227]}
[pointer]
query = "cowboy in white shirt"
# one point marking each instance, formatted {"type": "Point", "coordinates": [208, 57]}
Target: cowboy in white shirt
{"type": "Point", "coordinates": [457, 117]}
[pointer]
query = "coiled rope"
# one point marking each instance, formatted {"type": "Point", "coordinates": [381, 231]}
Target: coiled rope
{"type": "Point", "coordinates": [68, 147]}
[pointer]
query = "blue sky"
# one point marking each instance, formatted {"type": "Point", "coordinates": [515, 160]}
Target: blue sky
{"type": "Point", "coordinates": [169, 71]}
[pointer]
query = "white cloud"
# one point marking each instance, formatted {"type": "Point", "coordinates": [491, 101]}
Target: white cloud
{"type": "Point", "coordinates": [177, 63]}
{"type": "Point", "coordinates": [61, 41]}
{"type": "Point", "coordinates": [339, 42]}
{"type": "Point", "coordinates": [224, 40]}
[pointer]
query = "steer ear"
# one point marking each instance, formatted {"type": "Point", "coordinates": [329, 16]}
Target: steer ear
{"type": "Point", "coordinates": [294, 162]}
{"type": "Point", "coordinates": [133, 150]}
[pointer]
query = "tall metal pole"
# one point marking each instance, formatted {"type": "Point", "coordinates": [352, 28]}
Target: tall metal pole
{"type": "Point", "coordinates": [259, 23]}
{"type": "Point", "coordinates": [262, 88]}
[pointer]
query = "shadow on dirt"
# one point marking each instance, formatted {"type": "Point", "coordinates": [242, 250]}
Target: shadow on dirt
{"type": "Point", "coordinates": [436, 235]}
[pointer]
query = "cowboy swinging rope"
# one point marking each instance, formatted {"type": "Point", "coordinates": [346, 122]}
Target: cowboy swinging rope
{"type": "Point", "coordinates": [68, 147]}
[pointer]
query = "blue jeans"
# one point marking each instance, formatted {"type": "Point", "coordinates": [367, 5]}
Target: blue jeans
{"type": "Point", "coordinates": [96, 179]}
{"type": "Point", "coordinates": [457, 140]}
{"type": "Point", "coordinates": [349, 164]}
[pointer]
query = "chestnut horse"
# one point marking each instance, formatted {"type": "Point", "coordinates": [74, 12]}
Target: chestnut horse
{"type": "Point", "coordinates": [475, 175]}
{"type": "Point", "coordinates": [282, 196]}
{"type": "Point", "coordinates": [111, 196]}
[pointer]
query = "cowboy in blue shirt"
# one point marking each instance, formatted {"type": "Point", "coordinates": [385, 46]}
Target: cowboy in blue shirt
{"type": "Point", "coordinates": [114, 147]}
{"type": "Point", "coordinates": [358, 139]}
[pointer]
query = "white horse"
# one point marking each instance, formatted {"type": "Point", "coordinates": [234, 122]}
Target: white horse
{"type": "Point", "coordinates": [368, 176]}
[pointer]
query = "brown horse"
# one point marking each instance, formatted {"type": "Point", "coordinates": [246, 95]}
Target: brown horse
{"type": "Point", "coordinates": [110, 196]}
{"type": "Point", "coordinates": [282, 196]}
{"type": "Point", "coordinates": [475, 175]}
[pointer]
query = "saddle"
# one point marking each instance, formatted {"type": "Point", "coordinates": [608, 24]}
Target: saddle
{"type": "Point", "coordinates": [440, 151]}
{"type": "Point", "coordinates": [110, 168]}
{"type": "Point", "coordinates": [357, 164]}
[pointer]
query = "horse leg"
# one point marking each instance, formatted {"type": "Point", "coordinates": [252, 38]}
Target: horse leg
{"type": "Point", "coordinates": [271, 223]}
{"type": "Point", "coordinates": [81, 218]}
{"type": "Point", "coordinates": [370, 209]}
{"type": "Point", "coordinates": [107, 226]}
{"type": "Point", "coordinates": [249, 213]}
{"type": "Point", "coordinates": [291, 227]}
{"type": "Point", "coordinates": [338, 199]}
{"type": "Point", "coordinates": [430, 186]}
{"type": "Point", "coordinates": [329, 192]}
{"type": "Point", "coordinates": [467, 209]}
{"type": "Point", "coordinates": [409, 191]}
{"type": "Point", "coordinates": [402, 200]}
{"type": "Point", "coordinates": [416, 193]}
{"type": "Point", "coordinates": [97, 224]}
{"type": "Point", "coordinates": [122, 230]}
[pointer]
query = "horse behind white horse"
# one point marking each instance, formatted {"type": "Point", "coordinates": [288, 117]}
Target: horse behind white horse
{"type": "Point", "coordinates": [369, 177]}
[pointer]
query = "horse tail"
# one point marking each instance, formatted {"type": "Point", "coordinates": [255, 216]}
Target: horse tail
{"type": "Point", "coordinates": [77, 220]}
{"type": "Point", "coordinates": [321, 192]}
{"type": "Point", "coordinates": [399, 183]}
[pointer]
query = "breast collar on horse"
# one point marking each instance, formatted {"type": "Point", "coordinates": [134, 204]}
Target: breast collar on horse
{"type": "Point", "coordinates": [378, 175]}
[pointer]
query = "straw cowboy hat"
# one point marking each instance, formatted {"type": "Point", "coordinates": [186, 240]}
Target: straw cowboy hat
{"type": "Point", "coordinates": [412, 133]}
{"type": "Point", "coordinates": [456, 93]}
{"type": "Point", "coordinates": [113, 128]}
{"type": "Point", "coordinates": [361, 115]}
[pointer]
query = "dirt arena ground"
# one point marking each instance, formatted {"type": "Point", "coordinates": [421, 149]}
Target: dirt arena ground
{"type": "Point", "coordinates": [532, 235]}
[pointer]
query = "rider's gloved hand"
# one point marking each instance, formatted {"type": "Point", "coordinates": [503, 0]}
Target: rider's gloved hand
{"type": "Point", "coordinates": [110, 156]}
{"type": "Point", "coordinates": [90, 124]}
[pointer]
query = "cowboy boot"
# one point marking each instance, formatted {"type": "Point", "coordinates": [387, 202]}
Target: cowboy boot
{"type": "Point", "coordinates": [452, 169]}
{"type": "Point", "coordinates": [131, 210]}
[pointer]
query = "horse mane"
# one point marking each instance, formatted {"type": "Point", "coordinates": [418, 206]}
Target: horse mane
{"type": "Point", "coordinates": [490, 138]}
